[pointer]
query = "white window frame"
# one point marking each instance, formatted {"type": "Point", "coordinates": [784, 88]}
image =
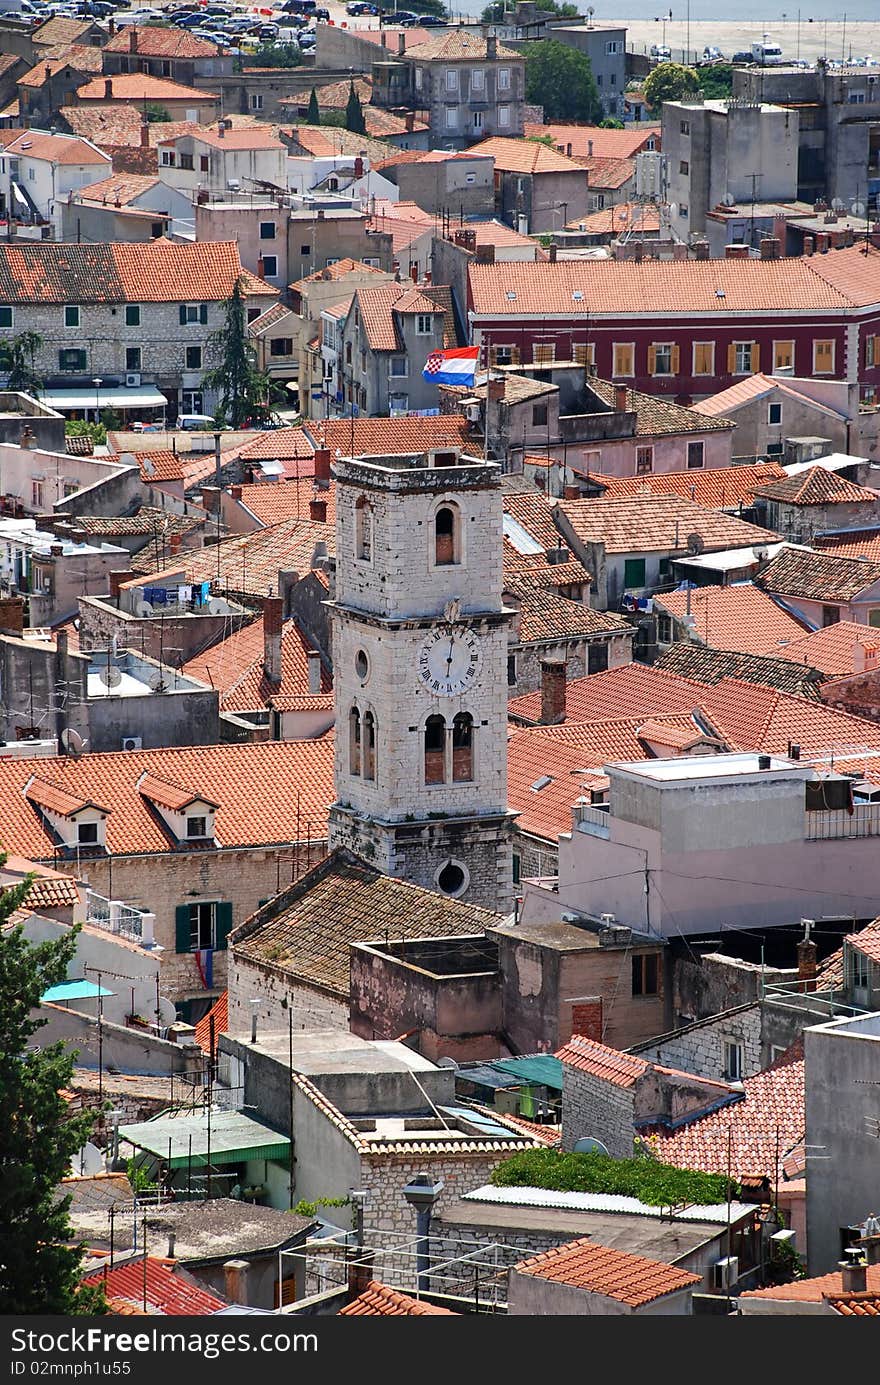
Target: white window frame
{"type": "Point", "coordinates": [452, 79]}
{"type": "Point", "coordinates": [734, 1059]}
{"type": "Point", "coordinates": [478, 79]}
{"type": "Point", "coordinates": [424, 325]}
{"type": "Point", "coordinates": [504, 79]}
{"type": "Point", "coordinates": [739, 347]}
{"type": "Point", "coordinates": [503, 115]}
{"type": "Point", "coordinates": [452, 117]}
{"type": "Point", "coordinates": [705, 373]}
{"type": "Point", "coordinates": [667, 347]}
{"type": "Point", "coordinates": [72, 308]}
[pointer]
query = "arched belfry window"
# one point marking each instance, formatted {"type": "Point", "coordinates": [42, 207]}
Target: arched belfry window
{"type": "Point", "coordinates": [447, 536]}
{"type": "Point", "coordinates": [369, 746]}
{"type": "Point", "coordinates": [363, 524]}
{"type": "Point", "coordinates": [435, 750]}
{"type": "Point", "coordinates": [462, 748]}
{"type": "Point", "coordinates": [354, 741]}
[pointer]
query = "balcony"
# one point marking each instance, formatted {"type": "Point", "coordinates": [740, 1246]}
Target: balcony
{"type": "Point", "coordinates": [122, 919]}
{"type": "Point", "coordinates": [834, 824]}
{"type": "Point", "coordinates": [594, 821]}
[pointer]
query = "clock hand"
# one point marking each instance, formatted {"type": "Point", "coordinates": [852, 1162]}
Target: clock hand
{"type": "Point", "coordinates": [451, 654]}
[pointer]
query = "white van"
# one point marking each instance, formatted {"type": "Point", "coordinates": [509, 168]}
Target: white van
{"type": "Point", "coordinates": [195, 423]}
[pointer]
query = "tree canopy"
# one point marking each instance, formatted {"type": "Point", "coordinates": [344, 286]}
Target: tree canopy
{"type": "Point", "coordinates": [669, 82]}
{"type": "Point", "coordinates": [39, 1269]}
{"type": "Point", "coordinates": [18, 357]}
{"type": "Point", "coordinates": [313, 115]}
{"type": "Point", "coordinates": [494, 14]}
{"type": "Point", "coordinates": [561, 80]}
{"type": "Point", "coordinates": [244, 389]}
{"type": "Point", "coordinates": [354, 114]}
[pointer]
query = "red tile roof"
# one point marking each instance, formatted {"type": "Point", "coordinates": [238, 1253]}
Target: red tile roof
{"type": "Point", "coordinates": [545, 778]}
{"type": "Point", "coordinates": [740, 617]}
{"type": "Point", "coordinates": [865, 1305]}
{"type": "Point", "coordinates": [545, 616]}
{"type": "Point", "coordinates": [55, 799]}
{"type": "Point", "coordinates": [611, 221]}
{"type": "Point", "coordinates": [119, 189]}
{"type": "Point", "coordinates": [235, 667]}
{"type": "Point", "coordinates": [249, 566]}
{"type": "Point", "coordinates": [608, 174]}
{"type": "Point", "coordinates": [657, 524]}
{"type": "Point", "coordinates": [56, 893]}
{"type": "Point", "coordinates": [606, 144]}
{"type": "Point", "coordinates": [832, 649]}
{"type": "Point", "coordinates": [849, 279]}
{"type": "Point", "coordinates": [631, 690]}
{"type": "Point", "coordinates": [250, 782]}
{"type": "Point", "coordinates": [271, 502]}
{"type": "Point", "coordinates": [717, 488]}
{"type": "Point", "coordinates": [866, 942]}
{"type": "Point", "coordinates": [154, 42]}
{"type": "Point", "coordinates": [174, 1294]}
{"type": "Point", "coordinates": [158, 271]}
{"type": "Point", "coordinates": [828, 1286]}
{"type": "Point", "coordinates": [757, 386]}
{"type": "Point", "coordinates": [630, 1279]}
{"type": "Point", "coordinates": [864, 544]}
{"type": "Point", "coordinates": [57, 149]}
{"type": "Point", "coordinates": [166, 794]}
{"type": "Point", "coordinates": [378, 1301]}
{"type": "Point", "coordinates": [456, 44]}
{"type": "Point", "coordinates": [601, 742]}
{"type": "Point", "coordinates": [526, 156]}
{"type": "Point", "coordinates": [219, 1013]}
{"type": "Point", "coordinates": [817, 576]}
{"type": "Point", "coordinates": [818, 486]}
{"type": "Point", "coordinates": [390, 435]}
{"type": "Point", "coordinates": [608, 1064]}
{"type": "Point", "coordinates": [139, 86]}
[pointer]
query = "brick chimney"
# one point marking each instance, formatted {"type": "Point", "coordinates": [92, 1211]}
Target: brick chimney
{"type": "Point", "coordinates": [491, 48]}
{"type": "Point", "coordinates": [174, 542]}
{"type": "Point", "coordinates": [409, 120]}
{"type": "Point", "coordinates": [108, 89]}
{"type": "Point", "coordinates": [145, 136]}
{"type": "Point", "coordinates": [11, 615]}
{"type": "Point", "coordinates": [485, 254]}
{"type": "Point", "coordinates": [132, 39]}
{"type": "Point", "coordinates": [318, 510]}
{"type": "Point", "coordinates": [864, 657]}
{"type": "Point", "coordinates": [809, 245]}
{"type": "Point", "coordinates": [736, 252]}
{"type": "Point", "coordinates": [358, 167]}
{"type": "Point", "coordinates": [322, 468]}
{"type": "Point", "coordinates": [552, 691]}
{"type": "Point", "coordinates": [570, 493]}
{"type": "Point", "coordinates": [117, 578]}
{"type": "Point", "coordinates": [314, 659]}
{"type": "Point", "coordinates": [235, 492]}
{"type": "Point", "coordinates": [701, 250]}
{"type": "Point", "coordinates": [261, 267]}
{"type": "Point", "coordinates": [822, 242]}
{"type": "Point", "coordinates": [552, 250]}
{"type": "Point", "coordinates": [620, 394]}
{"type": "Point", "coordinates": [272, 617]}
{"type": "Point", "coordinates": [769, 248]}
{"type": "Point", "coordinates": [806, 960]}
{"type": "Point", "coordinates": [221, 129]}
{"type": "Point", "coordinates": [235, 1276]}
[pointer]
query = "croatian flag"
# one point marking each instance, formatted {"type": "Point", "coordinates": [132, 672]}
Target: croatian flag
{"type": "Point", "coordinates": [452, 367]}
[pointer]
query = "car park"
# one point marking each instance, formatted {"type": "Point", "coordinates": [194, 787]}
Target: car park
{"type": "Point", "coordinates": [661, 52]}
{"type": "Point", "coordinates": [742, 57]}
{"type": "Point", "coordinates": [711, 54]}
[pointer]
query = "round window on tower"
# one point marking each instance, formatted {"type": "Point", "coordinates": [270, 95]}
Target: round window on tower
{"type": "Point", "coordinates": [452, 878]}
{"type": "Point", "coordinates": [361, 665]}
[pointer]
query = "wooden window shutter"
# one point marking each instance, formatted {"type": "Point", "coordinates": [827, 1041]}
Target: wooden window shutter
{"type": "Point", "coordinates": [876, 352]}
{"type": "Point", "coordinates": [182, 311]}
{"type": "Point", "coordinates": [493, 355]}
{"type": "Point", "coordinates": [870, 351]}
{"type": "Point", "coordinates": [203, 312]}
{"type": "Point", "coordinates": [182, 928]}
{"type": "Point", "coordinates": [514, 355]}
{"type": "Point", "coordinates": [731, 359]}
{"type": "Point", "coordinates": [652, 360]}
{"type": "Point", "coordinates": [224, 924]}
{"type": "Point", "coordinates": [756, 358]}
{"type": "Point", "coordinates": [676, 359]}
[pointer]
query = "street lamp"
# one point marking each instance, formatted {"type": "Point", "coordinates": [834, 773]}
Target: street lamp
{"type": "Point", "coordinates": [96, 381]}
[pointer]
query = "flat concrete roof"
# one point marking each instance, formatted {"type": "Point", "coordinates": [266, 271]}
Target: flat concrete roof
{"type": "Point", "coordinates": [203, 1231]}
{"type": "Point", "coordinates": [708, 767]}
{"type": "Point", "coordinates": [321, 1051]}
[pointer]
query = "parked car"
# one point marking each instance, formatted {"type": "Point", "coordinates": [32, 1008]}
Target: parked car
{"type": "Point", "coordinates": [661, 52]}
{"type": "Point", "coordinates": [742, 57]}
{"type": "Point", "coordinates": [195, 423]}
{"type": "Point", "coordinates": [712, 54]}
{"type": "Point", "coordinates": [432, 21]}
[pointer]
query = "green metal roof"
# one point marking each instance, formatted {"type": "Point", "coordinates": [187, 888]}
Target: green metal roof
{"type": "Point", "coordinates": [541, 1069]}
{"type": "Point", "coordinates": [74, 990]}
{"type": "Point", "coordinates": [235, 1137]}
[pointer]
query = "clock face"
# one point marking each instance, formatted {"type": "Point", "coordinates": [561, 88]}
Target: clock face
{"type": "Point", "coordinates": [449, 661]}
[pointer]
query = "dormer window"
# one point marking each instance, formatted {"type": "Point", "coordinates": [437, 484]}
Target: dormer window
{"type": "Point", "coordinates": [188, 816]}
{"type": "Point", "coordinates": [87, 833]}
{"type": "Point", "coordinates": [77, 821]}
{"type": "Point", "coordinates": [197, 827]}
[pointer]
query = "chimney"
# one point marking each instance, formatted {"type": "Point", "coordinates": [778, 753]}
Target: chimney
{"type": "Point", "coordinates": [221, 129]}
{"type": "Point", "coordinates": [769, 248]}
{"type": "Point", "coordinates": [491, 48]}
{"type": "Point", "coordinates": [854, 1276]}
{"type": "Point", "coordinates": [108, 90]}
{"type": "Point", "coordinates": [485, 254]}
{"type": "Point", "coordinates": [806, 960]}
{"type": "Point", "coordinates": [12, 615]}
{"type": "Point", "coordinates": [736, 252]}
{"type": "Point", "coordinates": [414, 273]}
{"type": "Point", "coordinates": [235, 1275]}
{"type": "Point", "coordinates": [272, 616]}
{"type": "Point", "coordinates": [358, 167]}
{"type": "Point", "coordinates": [322, 468]}
{"type": "Point", "coordinates": [116, 580]}
{"type": "Point", "coordinates": [318, 510]}
{"type": "Point", "coordinates": [620, 393]}
{"type": "Point", "coordinates": [27, 438]}
{"type": "Point", "coordinates": [145, 136]}
{"type": "Point", "coordinates": [314, 658]}
{"type": "Point", "coordinates": [589, 148]}
{"type": "Point", "coordinates": [235, 492]}
{"type": "Point", "coordinates": [809, 245]}
{"type": "Point", "coordinates": [172, 1244]}
{"type": "Point", "coordinates": [571, 493]}
{"type": "Point", "coordinates": [822, 242]}
{"type": "Point", "coordinates": [401, 43]}
{"type": "Point", "coordinates": [261, 267]}
{"type": "Point", "coordinates": [701, 250]}
{"type": "Point", "coordinates": [409, 120]}
{"type": "Point", "coordinates": [864, 657]}
{"type": "Point", "coordinates": [132, 39]}
{"type": "Point", "coordinates": [552, 691]}
{"type": "Point", "coordinates": [174, 542]}
{"type": "Point", "coordinates": [552, 249]}
{"type": "Point", "coordinates": [763, 762]}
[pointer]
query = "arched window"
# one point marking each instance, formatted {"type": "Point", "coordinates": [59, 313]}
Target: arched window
{"type": "Point", "coordinates": [435, 750]}
{"type": "Point", "coordinates": [462, 748]}
{"type": "Point", "coordinates": [354, 741]}
{"type": "Point", "coordinates": [369, 746]}
{"type": "Point", "coordinates": [447, 536]}
{"type": "Point", "coordinates": [363, 524]}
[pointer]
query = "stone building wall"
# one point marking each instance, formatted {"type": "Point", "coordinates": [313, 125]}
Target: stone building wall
{"type": "Point", "coordinates": [591, 1106]}
{"type": "Point", "coordinates": [699, 1048]}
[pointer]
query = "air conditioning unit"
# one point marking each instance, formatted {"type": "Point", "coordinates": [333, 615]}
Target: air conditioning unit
{"type": "Point", "coordinates": [472, 413]}
{"type": "Point", "coordinates": [133, 378]}
{"type": "Point", "coordinates": [725, 1273]}
{"type": "Point", "coordinates": [132, 742]}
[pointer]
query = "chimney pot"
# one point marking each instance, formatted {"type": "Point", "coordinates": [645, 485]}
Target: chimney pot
{"type": "Point", "coordinates": [314, 659]}
{"type": "Point", "coordinates": [172, 1244]}
{"type": "Point", "coordinates": [272, 618]}
{"type": "Point", "coordinates": [620, 393]}
{"type": "Point", "coordinates": [322, 468]}
{"type": "Point", "coordinates": [318, 510]}
{"type": "Point", "coordinates": [108, 90]}
{"type": "Point", "coordinates": [570, 493]}
{"type": "Point", "coordinates": [809, 245]}
{"type": "Point", "coordinates": [552, 691]}
{"type": "Point", "coordinates": [235, 1276]}
{"type": "Point", "coordinates": [552, 250]}
{"type": "Point", "coordinates": [806, 965]}
{"type": "Point", "coordinates": [174, 542]}
{"type": "Point", "coordinates": [854, 1277]}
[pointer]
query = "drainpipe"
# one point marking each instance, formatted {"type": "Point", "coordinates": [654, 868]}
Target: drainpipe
{"type": "Point", "coordinates": [422, 1193]}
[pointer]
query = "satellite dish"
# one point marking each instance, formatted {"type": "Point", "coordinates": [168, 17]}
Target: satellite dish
{"type": "Point", "coordinates": [858, 209]}
{"type": "Point", "coordinates": [143, 608]}
{"type": "Point", "coordinates": [760, 554]}
{"type": "Point", "coordinates": [838, 204]}
{"type": "Point", "coordinates": [167, 1011]}
{"type": "Point", "coordinates": [695, 544]}
{"type": "Point", "coordinates": [218, 607]}
{"type": "Point", "coordinates": [589, 1145]}
{"type": "Point", "coordinates": [157, 683]}
{"type": "Point", "coordinates": [88, 1161]}
{"type": "Point", "coordinates": [72, 742]}
{"type": "Point", "coordinates": [448, 1063]}
{"type": "Point", "coordinates": [110, 676]}
{"type": "Point", "coordinates": [728, 200]}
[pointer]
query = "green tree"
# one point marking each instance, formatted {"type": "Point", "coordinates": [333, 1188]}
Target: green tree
{"type": "Point", "coordinates": [609, 123]}
{"type": "Point", "coordinates": [561, 80]}
{"type": "Point", "coordinates": [494, 14]}
{"type": "Point", "coordinates": [156, 114]}
{"type": "Point", "coordinates": [244, 389]}
{"type": "Point", "coordinates": [354, 114]}
{"type": "Point", "coordinates": [273, 55]}
{"type": "Point", "coordinates": [669, 82]}
{"type": "Point", "coordinates": [716, 81]}
{"type": "Point", "coordinates": [18, 357]}
{"type": "Point", "coordinates": [313, 115]}
{"type": "Point", "coordinates": [39, 1270]}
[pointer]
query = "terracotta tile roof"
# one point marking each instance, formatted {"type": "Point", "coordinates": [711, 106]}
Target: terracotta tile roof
{"type": "Point", "coordinates": [704, 665]}
{"type": "Point", "coordinates": [235, 667]}
{"type": "Point", "coordinates": [630, 1279]}
{"type": "Point", "coordinates": [139, 86]}
{"type": "Point", "coordinates": [833, 649]}
{"type": "Point", "coordinates": [302, 702]}
{"type": "Point", "coordinates": [752, 1133]}
{"type": "Point", "coordinates": [861, 544]}
{"type": "Point", "coordinates": [656, 524]}
{"type": "Point", "coordinates": [457, 44]}
{"type": "Point", "coordinates": [243, 137]}
{"type": "Point", "coordinates": [740, 617]}
{"type": "Point", "coordinates": [606, 144]}
{"type": "Point", "coordinates": [549, 1135]}
{"type": "Point", "coordinates": [340, 269]}
{"type": "Point", "coordinates": [153, 42]}
{"type": "Point", "coordinates": [867, 942]}
{"type": "Point", "coordinates": [76, 58]}
{"type": "Point", "coordinates": [219, 1013]}
{"type": "Point", "coordinates": [270, 502]}
{"type": "Point", "coordinates": [717, 488]}
{"type": "Point", "coordinates": [607, 174]}
{"type": "Point", "coordinates": [865, 1305]}
{"type": "Point", "coordinates": [525, 156]}
{"type": "Point", "coordinates": [611, 221]}
{"type": "Point", "coordinates": [56, 799]}
{"type": "Point", "coordinates": [146, 521]}
{"type": "Point", "coordinates": [157, 271]}
{"type": "Point", "coordinates": [817, 576]}
{"type": "Point", "coordinates": [757, 387]}
{"type": "Point", "coordinates": [159, 465]}
{"type": "Point", "coordinates": [824, 1286]}
{"type": "Point", "coordinates": [167, 1292]}
{"type": "Point", "coordinates": [523, 575]}
{"type": "Point", "coordinates": [59, 892]}
{"type": "Point", "coordinates": [818, 486]}
{"type": "Point", "coordinates": [534, 759]}
{"type": "Point", "coordinates": [307, 930]}
{"type": "Point", "coordinates": [378, 308]}
{"type": "Point", "coordinates": [656, 417]}
{"type": "Point", "coordinates": [320, 141]}
{"type": "Point", "coordinates": [167, 794]}
{"type": "Point", "coordinates": [759, 718]}
{"type": "Point", "coordinates": [631, 738]}
{"type": "Point", "coordinates": [676, 287]}
{"type": "Point", "coordinates": [249, 566]}
{"type": "Point", "coordinates": [609, 1064]}
{"type": "Point", "coordinates": [534, 513]}
{"type": "Point", "coordinates": [251, 783]}
{"type": "Point", "coordinates": [390, 435]}
{"type": "Point", "coordinates": [545, 616]}
{"type": "Point", "coordinates": [57, 149]}
{"type": "Point", "coordinates": [383, 124]}
{"type": "Point", "coordinates": [279, 444]}
{"type": "Point", "coordinates": [388, 36]}
{"type": "Point", "coordinates": [120, 189]}
{"type": "Point", "coordinates": [60, 30]}
{"type": "Point", "coordinates": [378, 1301]}
{"type": "Point", "coordinates": [403, 230]}
{"type": "Point", "coordinates": [632, 690]}
{"type": "Point", "coordinates": [114, 126]}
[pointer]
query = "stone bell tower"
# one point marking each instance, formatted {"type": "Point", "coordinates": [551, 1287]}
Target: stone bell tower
{"type": "Point", "coordinates": [420, 672]}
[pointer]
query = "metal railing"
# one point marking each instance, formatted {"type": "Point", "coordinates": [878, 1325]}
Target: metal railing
{"type": "Point", "coordinates": [830, 824]}
{"type": "Point", "coordinates": [120, 918]}
{"type": "Point", "coordinates": [594, 821]}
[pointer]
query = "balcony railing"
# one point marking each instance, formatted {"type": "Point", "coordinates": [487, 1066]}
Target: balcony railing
{"type": "Point", "coordinates": [831, 824]}
{"type": "Point", "coordinates": [596, 822]}
{"type": "Point", "coordinates": [122, 919]}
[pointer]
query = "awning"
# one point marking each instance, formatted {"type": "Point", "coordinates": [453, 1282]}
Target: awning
{"type": "Point", "coordinates": [234, 1138]}
{"type": "Point", "coordinates": [145, 398]}
{"type": "Point", "coordinates": [74, 990]}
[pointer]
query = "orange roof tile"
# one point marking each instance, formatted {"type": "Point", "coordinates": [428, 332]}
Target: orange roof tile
{"type": "Point", "coordinates": [157, 271]}
{"type": "Point", "coordinates": [150, 41]}
{"type": "Point", "coordinates": [717, 488]}
{"type": "Point", "coordinates": [860, 544]}
{"type": "Point", "coordinates": [607, 174]}
{"type": "Point", "coordinates": [139, 86]}
{"type": "Point", "coordinates": [631, 690]}
{"type": "Point", "coordinates": [545, 778]}
{"type": "Point", "coordinates": [235, 667]}
{"type": "Point", "coordinates": [169, 795]}
{"type": "Point", "coordinates": [340, 269]}
{"type": "Point", "coordinates": [867, 942]}
{"type": "Point", "coordinates": [56, 149]}
{"type": "Point", "coordinates": [656, 416]}
{"type": "Point", "coordinates": [757, 387]}
{"type": "Point", "coordinates": [219, 1013]}
{"type": "Point", "coordinates": [656, 524]}
{"type": "Point", "coordinates": [817, 576]}
{"type": "Point", "coordinates": [631, 1279]}
{"type": "Point", "coordinates": [243, 137]}
{"type": "Point", "coordinates": [601, 742]}
{"type": "Point", "coordinates": [606, 144]}
{"type": "Point", "coordinates": [270, 502]}
{"type": "Point", "coordinates": [60, 30]}
{"type": "Point", "coordinates": [56, 799]}
{"type": "Point", "coordinates": [390, 435]}
{"type": "Point", "coordinates": [865, 1305]}
{"type": "Point", "coordinates": [166, 1291]}
{"type": "Point", "coordinates": [828, 1286]}
{"type": "Point", "coordinates": [740, 617]}
{"type": "Point", "coordinates": [526, 156]}
{"type": "Point", "coordinates": [378, 1301]}
{"type": "Point", "coordinates": [249, 566]}
{"type": "Point", "coordinates": [57, 893]}
{"type": "Point", "coordinates": [545, 616]}
{"type": "Point", "coordinates": [625, 216]}
{"type": "Point", "coordinates": [119, 189]}
{"type": "Point", "coordinates": [378, 307]}
{"type": "Point", "coordinates": [456, 44]}
{"type": "Point", "coordinates": [818, 486]}
{"type": "Point", "coordinates": [609, 1064]}
{"type": "Point", "coordinates": [832, 649]}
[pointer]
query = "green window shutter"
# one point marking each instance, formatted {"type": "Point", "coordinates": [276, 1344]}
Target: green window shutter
{"type": "Point", "coordinates": [181, 920]}
{"type": "Point", "coordinates": [633, 573]}
{"type": "Point", "coordinates": [183, 314]}
{"type": "Point", "coordinates": [203, 312]}
{"type": "Point", "coordinates": [224, 923]}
